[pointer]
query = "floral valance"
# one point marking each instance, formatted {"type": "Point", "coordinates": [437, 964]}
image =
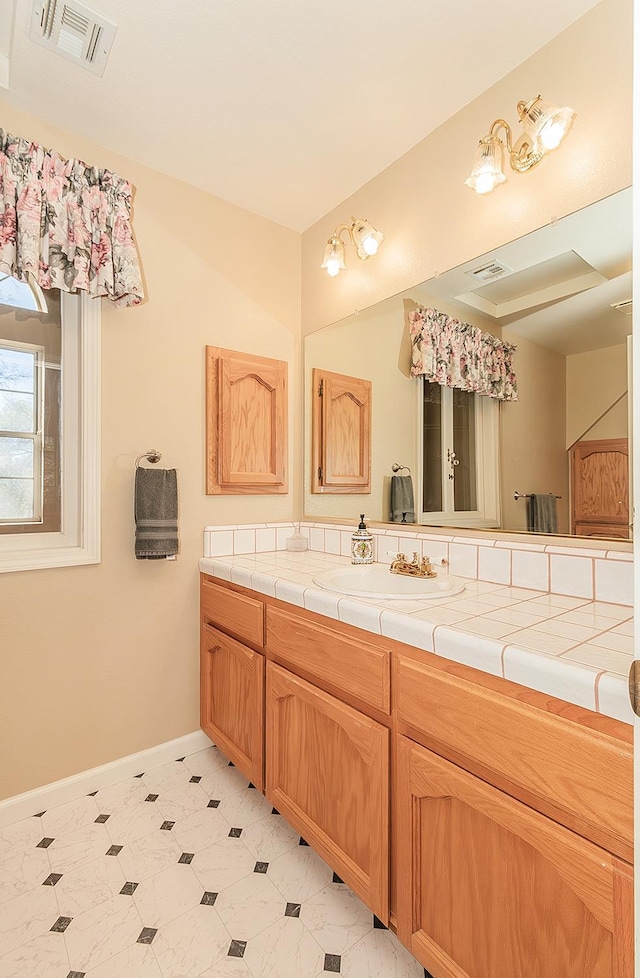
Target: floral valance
{"type": "Point", "coordinates": [66, 224]}
{"type": "Point", "coordinates": [455, 354]}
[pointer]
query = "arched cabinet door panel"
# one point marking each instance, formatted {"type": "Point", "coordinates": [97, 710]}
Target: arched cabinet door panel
{"type": "Point", "coordinates": [600, 487]}
{"type": "Point", "coordinates": [487, 886]}
{"type": "Point", "coordinates": [341, 442]}
{"type": "Point", "coordinates": [246, 423]}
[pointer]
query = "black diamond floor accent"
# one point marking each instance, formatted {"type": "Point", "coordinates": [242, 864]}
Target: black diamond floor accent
{"type": "Point", "coordinates": [113, 850]}
{"type": "Point", "coordinates": [235, 833]}
{"type": "Point", "coordinates": [141, 775]}
{"type": "Point", "coordinates": [377, 923]}
{"type": "Point", "coordinates": [52, 879]}
{"type": "Point", "coordinates": [336, 879]}
{"type": "Point", "coordinates": [196, 779]}
{"type": "Point", "coordinates": [274, 811]}
{"type": "Point", "coordinates": [214, 803]}
{"type": "Point", "coordinates": [147, 934]}
{"type": "Point", "coordinates": [292, 910]}
{"type": "Point", "coordinates": [128, 889]}
{"type": "Point", "coordinates": [92, 794]}
{"type": "Point", "coordinates": [186, 857]}
{"type": "Point", "coordinates": [303, 842]}
{"type": "Point", "coordinates": [40, 814]}
{"type": "Point", "coordinates": [167, 826]}
{"type": "Point", "coordinates": [151, 798]}
{"type": "Point", "coordinates": [261, 867]}
{"type": "Point", "coordinates": [179, 759]}
{"type": "Point", "coordinates": [61, 924]}
{"type": "Point", "coordinates": [77, 974]}
{"type": "Point", "coordinates": [237, 949]}
{"type": "Point", "coordinates": [230, 764]}
{"type": "Point", "coordinates": [251, 785]}
{"type": "Point", "coordinates": [102, 818]}
{"type": "Point", "coordinates": [332, 963]}
{"type": "Point", "coordinates": [44, 843]}
{"type": "Point", "coordinates": [427, 974]}
{"type": "Point", "coordinates": [209, 898]}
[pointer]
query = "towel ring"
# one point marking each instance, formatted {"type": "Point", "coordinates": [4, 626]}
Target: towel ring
{"type": "Point", "coordinates": [398, 468]}
{"type": "Point", "coordinates": [152, 456]}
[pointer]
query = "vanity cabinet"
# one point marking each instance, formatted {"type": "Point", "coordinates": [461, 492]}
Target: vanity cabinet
{"type": "Point", "coordinates": [328, 774]}
{"type": "Point", "coordinates": [513, 828]}
{"type": "Point", "coordinates": [232, 677]}
{"type": "Point", "coordinates": [492, 887]}
{"type": "Point", "coordinates": [490, 824]}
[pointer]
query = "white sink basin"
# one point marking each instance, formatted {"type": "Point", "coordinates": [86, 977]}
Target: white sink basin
{"type": "Point", "coordinates": [377, 581]}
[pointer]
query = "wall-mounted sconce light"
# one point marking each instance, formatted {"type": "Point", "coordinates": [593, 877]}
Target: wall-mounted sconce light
{"type": "Point", "coordinates": [545, 126]}
{"type": "Point", "coordinates": [364, 237]}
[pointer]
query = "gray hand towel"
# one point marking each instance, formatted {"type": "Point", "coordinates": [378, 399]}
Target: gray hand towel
{"type": "Point", "coordinates": [401, 499]}
{"type": "Point", "coordinates": [542, 513]}
{"type": "Point", "coordinates": [156, 513]}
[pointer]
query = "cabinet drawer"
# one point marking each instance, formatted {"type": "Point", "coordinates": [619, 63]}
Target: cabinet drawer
{"type": "Point", "coordinates": [232, 612]}
{"type": "Point", "coordinates": [323, 654]}
{"type": "Point", "coordinates": [580, 777]}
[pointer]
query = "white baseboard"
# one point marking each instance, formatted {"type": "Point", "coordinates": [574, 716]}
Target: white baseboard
{"type": "Point", "coordinates": [68, 789]}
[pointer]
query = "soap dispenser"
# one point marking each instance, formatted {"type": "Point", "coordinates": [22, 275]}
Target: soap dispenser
{"type": "Point", "coordinates": [362, 544]}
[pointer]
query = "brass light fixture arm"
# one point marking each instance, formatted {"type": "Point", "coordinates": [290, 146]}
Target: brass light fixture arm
{"type": "Point", "coordinates": [522, 155]}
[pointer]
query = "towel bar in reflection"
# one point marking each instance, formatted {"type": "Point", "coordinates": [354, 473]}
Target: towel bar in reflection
{"type": "Point", "coordinates": [527, 495]}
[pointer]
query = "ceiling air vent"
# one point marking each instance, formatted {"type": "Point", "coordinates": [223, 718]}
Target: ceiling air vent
{"type": "Point", "coordinates": [489, 271]}
{"type": "Point", "coordinates": [74, 32]}
{"type": "Point", "coordinates": [624, 306]}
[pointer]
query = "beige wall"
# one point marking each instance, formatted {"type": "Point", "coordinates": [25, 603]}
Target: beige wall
{"type": "Point", "coordinates": [100, 661]}
{"type": "Point", "coordinates": [596, 385]}
{"type": "Point", "coordinates": [532, 450]}
{"type": "Point", "coordinates": [433, 222]}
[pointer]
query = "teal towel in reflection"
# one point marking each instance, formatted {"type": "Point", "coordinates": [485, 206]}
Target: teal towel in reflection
{"type": "Point", "coordinates": [401, 499]}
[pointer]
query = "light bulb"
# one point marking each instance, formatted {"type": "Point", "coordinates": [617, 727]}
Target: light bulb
{"type": "Point", "coordinates": [485, 183]}
{"type": "Point", "coordinates": [370, 245]}
{"type": "Point", "coordinates": [551, 135]}
{"type": "Point", "coordinates": [332, 267]}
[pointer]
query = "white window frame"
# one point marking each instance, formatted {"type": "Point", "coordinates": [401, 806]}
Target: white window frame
{"type": "Point", "coordinates": [78, 541]}
{"type": "Point", "coordinates": [486, 516]}
{"type": "Point", "coordinates": [35, 436]}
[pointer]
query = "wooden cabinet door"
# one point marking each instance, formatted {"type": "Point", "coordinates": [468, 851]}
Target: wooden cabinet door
{"type": "Point", "coordinates": [246, 423]}
{"type": "Point", "coordinates": [600, 485]}
{"type": "Point", "coordinates": [341, 448]}
{"type": "Point", "coordinates": [487, 886]}
{"type": "Point", "coordinates": [232, 700]}
{"type": "Point", "coordinates": [327, 773]}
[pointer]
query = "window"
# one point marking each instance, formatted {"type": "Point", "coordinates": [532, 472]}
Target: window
{"type": "Point", "coordinates": [49, 428]}
{"type": "Point", "coordinates": [459, 457]}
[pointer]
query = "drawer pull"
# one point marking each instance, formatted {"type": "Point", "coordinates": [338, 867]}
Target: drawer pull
{"type": "Point", "coordinates": [634, 686]}
{"type": "Point", "coordinates": [215, 648]}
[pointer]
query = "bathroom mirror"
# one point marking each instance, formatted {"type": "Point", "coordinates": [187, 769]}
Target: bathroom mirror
{"type": "Point", "coordinates": [562, 294]}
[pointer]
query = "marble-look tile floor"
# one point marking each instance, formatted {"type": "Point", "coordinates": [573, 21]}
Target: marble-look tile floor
{"type": "Point", "coordinates": [184, 871]}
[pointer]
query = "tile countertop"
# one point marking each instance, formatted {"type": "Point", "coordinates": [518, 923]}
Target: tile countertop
{"type": "Point", "coordinates": [572, 648]}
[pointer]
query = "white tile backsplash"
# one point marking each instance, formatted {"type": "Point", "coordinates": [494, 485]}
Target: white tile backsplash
{"type": "Point", "coordinates": [530, 569]}
{"type": "Point", "coordinates": [244, 541]}
{"type": "Point", "coordinates": [463, 560]}
{"type": "Point", "coordinates": [494, 564]}
{"type": "Point", "coordinates": [614, 581]}
{"type": "Point", "coordinates": [572, 575]}
{"type": "Point", "coordinates": [265, 540]}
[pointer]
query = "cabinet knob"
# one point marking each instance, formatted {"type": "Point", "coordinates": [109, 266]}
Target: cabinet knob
{"type": "Point", "coordinates": [215, 648]}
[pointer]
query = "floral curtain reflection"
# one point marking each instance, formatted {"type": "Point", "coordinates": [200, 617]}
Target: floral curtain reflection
{"type": "Point", "coordinates": [455, 354]}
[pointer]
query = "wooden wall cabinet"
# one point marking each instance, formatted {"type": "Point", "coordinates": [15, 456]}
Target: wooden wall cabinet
{"type": "Point", "coordinates": [341, 435]}
{"type": "Point", "coordinates": [600, 488]}
{"type": "Point", "coordinates": [492, 887]}
{"type": "Point", "coordinates": [328, 774]}
{"type": "Point", "coordinates": [246, 423]}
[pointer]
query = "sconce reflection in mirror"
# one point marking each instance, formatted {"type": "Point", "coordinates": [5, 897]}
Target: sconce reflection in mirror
{"type": "Point", "coordinates": [364, 237]}
{"type": "Point", "coordinates": [545, 126]}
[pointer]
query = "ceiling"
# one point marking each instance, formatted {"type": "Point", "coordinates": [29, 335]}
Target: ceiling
{"type": "Point", "coordinates": [284, 107]}
{"type": "Point", "coordinates": [560, 281]}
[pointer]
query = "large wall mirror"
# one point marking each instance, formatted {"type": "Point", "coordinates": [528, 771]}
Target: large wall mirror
{"type": "Point", "coordinates": [562, 294]}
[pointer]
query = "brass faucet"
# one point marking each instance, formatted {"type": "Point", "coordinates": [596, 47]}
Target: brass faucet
{"type": "Point", "coordinates": [413, 568]}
